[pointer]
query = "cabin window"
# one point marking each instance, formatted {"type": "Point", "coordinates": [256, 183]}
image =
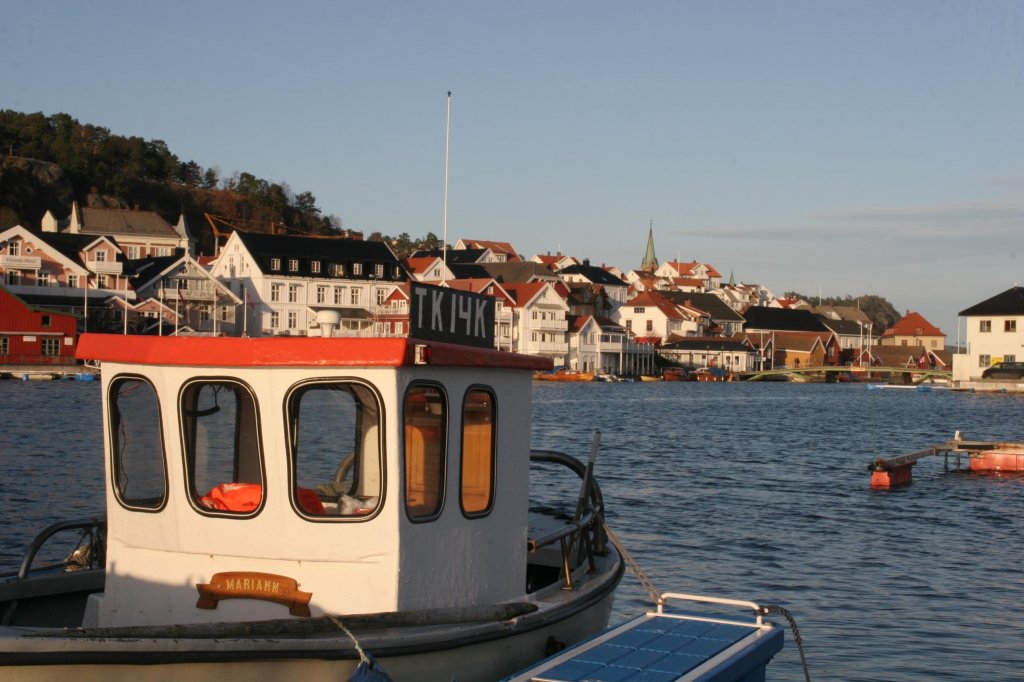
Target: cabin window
{"type": "Point", "coordinates": [984, 326]}
{"type": "Point", "coordinates": [334, 438]}
{"type": "Point", "coordinates": [138, 470]}
{"type": "Point", "coordinates": [51, 346]}
{"type": "Point", "coordinates": [223, 461]}
{"type": "Point", "coordinates": [424, 419]}
{"type": "Point", "coordinates": [5, 347]}
{"type": "Point", "coordinates": [1010, 326]}
{"type": "Point", "coordinates": [478, 419]}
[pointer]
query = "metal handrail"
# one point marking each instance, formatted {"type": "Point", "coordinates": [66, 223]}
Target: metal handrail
{"type": "Point", "coordinates": [95, 528]}
{"type": "Point", "coordinates": [758, 611]}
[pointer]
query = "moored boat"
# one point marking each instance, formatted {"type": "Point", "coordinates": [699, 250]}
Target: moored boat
{"type": "Point", "coordinates": [564, 375]}
{"type": "Point", "coordinates": [276, 507]}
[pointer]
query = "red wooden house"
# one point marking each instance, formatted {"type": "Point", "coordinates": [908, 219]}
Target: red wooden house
{"type": "Point", "coordinates": [34, 336]}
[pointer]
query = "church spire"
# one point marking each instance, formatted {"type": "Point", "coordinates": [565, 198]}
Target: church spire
{"type": "Point", "coordinates": [650, 261]}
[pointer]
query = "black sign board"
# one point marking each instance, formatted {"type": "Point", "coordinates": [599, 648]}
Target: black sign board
{"type": "Point", "coordinates": [443, 314]}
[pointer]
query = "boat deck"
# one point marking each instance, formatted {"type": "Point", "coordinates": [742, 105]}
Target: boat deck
{"type": "Point", "coordinates": [659, 647]}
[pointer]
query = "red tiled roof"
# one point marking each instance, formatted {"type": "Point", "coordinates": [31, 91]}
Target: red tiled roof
{"type": "Point", "coordinates": [913, 324]}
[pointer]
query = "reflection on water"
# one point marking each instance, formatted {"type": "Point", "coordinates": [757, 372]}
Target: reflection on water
{"type": "Point", "coordinates": [745, 490]}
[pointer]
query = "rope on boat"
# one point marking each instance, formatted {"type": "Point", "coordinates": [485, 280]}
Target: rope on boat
{"type": "Point", "coordinates": [362, 654]}
{"type": "Point", "coordinates": [767, 609]}
{"type": "Point", "coordinates": [644, 579]}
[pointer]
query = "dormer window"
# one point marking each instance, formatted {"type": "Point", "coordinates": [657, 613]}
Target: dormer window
{"type": "Point", "coordinates": [378, 270]}
{"type": "Point", "coordinates": [293, 265]}
{"type": "Point", "coordinates": [275, 263]}
{"type": "Point", "coordinates": [357, 268]}
{"type": "Point", "coordinates": [314, 266]}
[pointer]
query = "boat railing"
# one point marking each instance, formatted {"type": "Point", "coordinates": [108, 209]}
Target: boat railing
{"type": "Point", "coordinates": [584, 533]}
{"type": "Point", "coordinates": [90, 552]}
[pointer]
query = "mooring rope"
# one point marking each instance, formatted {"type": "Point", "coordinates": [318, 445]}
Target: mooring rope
{"type": "Point", "coordinates": [767, 609]}
{"type": "Point", "coordinates": [362, 654]}
{"type": "Point", "coordinates": [644, 579]}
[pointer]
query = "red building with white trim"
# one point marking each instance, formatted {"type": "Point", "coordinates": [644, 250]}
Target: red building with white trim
{"type": "Point", "coordinates": [34, 336]}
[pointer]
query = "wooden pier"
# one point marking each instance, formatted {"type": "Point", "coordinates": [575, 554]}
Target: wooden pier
{"type": "Point", "coordinates": [991, 456]}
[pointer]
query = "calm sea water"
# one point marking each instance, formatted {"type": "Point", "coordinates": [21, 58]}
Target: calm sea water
{"type": "Point", "coordinates": [755, 491]}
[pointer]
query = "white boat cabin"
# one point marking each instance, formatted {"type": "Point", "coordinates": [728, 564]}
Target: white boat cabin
{"type": "Point", "coordinates": [250, 478]}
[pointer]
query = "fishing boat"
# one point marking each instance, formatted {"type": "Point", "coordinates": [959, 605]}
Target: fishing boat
{"type": "Point", "coordinates": [327, 508]}
{"type": "Point", "coordinates": [300, 507]}
{"type": "Point", "coordinates": [564, 374]}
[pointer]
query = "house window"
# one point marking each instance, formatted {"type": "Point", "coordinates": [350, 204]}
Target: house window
{"type": "Point", "coordinates": [339, 295]}
{"type": "Point", "coordinates": [223, 456]}
{"type": "Point", "coordinates": [477, 485]}
{"type": "Point", "coordinates": [1009, 358]}
{"type": "Point", "coordinates": [275, 320]}
{"type": "Point", "coordinates": [102, 281]}
{"type": "Point", "coordinates": [357, 268]}
{"type": "Point", "coordinates": [1010, 326]}
{"type": "Point", "coordinates": [14, 248]}
{"type": "Point", "coordinates": [51, 346]}
{"type": "Point", "coordinates": [100, 257]}
{"type": "Point", "coordinates": [13, 278]}
{"type": "Point", "coordinates": [5, 345]}
{"type": "Point", "coordinates": [985, 325]}
{"type": "Point", "coordinates": [321, 294]}
{"type": "Point", "coordinates": [42, 279]}
{"type": "Point", "coordinates": [381, 294]}
{"type": "Point", "coordinates": [275, 292]}
{"type": "Point", "coordinates": [293, 319]}
{"type": "Point", "coordinates": [44, 321]}
{"type": "Point", "coordinates": [639, 311]}
{"type": "Point", "coordinates": [398, 272]}
{"type": "Point", "coordinates": [339, 270]}
{"type": "Point", "coordinates": [424, 417]}
{"type": "Point", "coordinates": [293, 265]}
{"type": "Point", "coordinates": [354, 297]}
{"type": "Point", "coordinates": [984, 360]}
{"type": "Point", "coordinates": [73, 281]}
{"type": "Point", "coordinates": [275, 263]}
{"type": "Point", "coordinates": [378, 270]}
{"type": "Point", "coordinates": [650, 325]}
{"type": "Point", "coordinates": [293, 293]}
{"type": "Point", "coordinates": [140, 480]}
{"type": "Point", "coordinates": [133, 252]}
{"type": "Point", "coordinates": [335, 449]}
{"type": "Point", "coordinates": [314, 266]}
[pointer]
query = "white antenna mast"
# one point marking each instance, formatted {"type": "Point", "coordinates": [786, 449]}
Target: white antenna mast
{"type": "Point", "coordinates": [447, 141]}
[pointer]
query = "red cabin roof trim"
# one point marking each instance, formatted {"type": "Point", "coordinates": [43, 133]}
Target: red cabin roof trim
{"type": "Point", "coordinates": [205, 351]}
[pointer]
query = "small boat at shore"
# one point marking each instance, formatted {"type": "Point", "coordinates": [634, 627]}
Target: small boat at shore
{"type": "Point", "coordinates": [564, 375]}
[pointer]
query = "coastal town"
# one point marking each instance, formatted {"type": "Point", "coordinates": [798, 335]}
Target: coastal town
{"type": "Point", "coordinates": [132, 272]}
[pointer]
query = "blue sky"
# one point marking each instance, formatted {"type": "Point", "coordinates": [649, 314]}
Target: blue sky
{"type": "Point", "coordinates": [832, 147]}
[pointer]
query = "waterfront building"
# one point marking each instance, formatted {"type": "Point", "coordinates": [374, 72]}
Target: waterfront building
{"type": "Point", "coordinates": [692, 276]}
{"type": "Point", "coordinates": [497, 252]}
{"type": "Point", "coordinates": [183, 287]}
{"type": "Point", "coordinates": [731, 354]}
{"type": "Point", "coordinates": [913, 330]}
{"type": "Point", "coordinates": [428, 269]}
{"type": "Point", "coordinates": [308, 285]}
{"type": "Point", "coordinates": [32, 335]}
{"type": "Point", "coordinates": [554, 262]}
{"type": "Point", "coordinates": [597, 344]}
{"type": "Point", "coordinates": [995, 333]}
{"type": "Point", "coordinates": [719, 319]}
{"type": "Point", "coordinates": [653, 318]}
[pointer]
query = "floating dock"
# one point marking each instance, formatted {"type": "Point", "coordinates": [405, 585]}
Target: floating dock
{"type": "Point", "coordinates": [987, 456]}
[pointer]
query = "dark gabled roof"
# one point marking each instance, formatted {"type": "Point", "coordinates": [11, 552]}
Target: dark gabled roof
{"type": "Point", "coordinates": [519, 271]}
{"type": "Point", "coordinates": [717, 309]}
{"type": "Point", "coordinates": [148, 269]}
{"type": "Point", "coordinates": [71, 245]}
{"type": "Point", "coordinates": [782, 319]}
{"type": "Point", "coordinates": [1010, 302]}
{"type": "Point", "coordinates": [452, 256]}
{"type": "Point", "coordinates": [326, 250]}
{"type": "Point", "coordinates": [706, 343]}
{"type": "Point", "coordinates": [470, 271]}
{"type": "Point", "coordinates": [842, 327]}
{"type": "Point", "coordinates": [594, 274]}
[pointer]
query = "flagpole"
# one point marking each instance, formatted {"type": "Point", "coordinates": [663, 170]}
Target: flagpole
{"type": "Point", "coordinates": [245, 312]}
{"type": "Point", "coordinates": [160, 312]}
{"type": "Point", "coordinates": [126, 305]}
{"type": "Point", "coordinates": [85, 305]}
{"type": "Point", "coordinates": [447, 143]}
